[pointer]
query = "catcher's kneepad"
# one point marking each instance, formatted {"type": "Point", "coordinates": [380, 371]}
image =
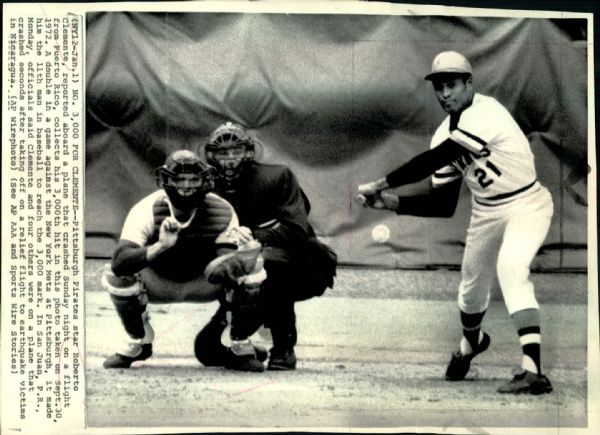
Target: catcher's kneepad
{"type": "Point", "coordinates": [247, 290]}
{"type": "Point", "coordinates": [120, 285]}
{"type": "Point", "coordinates": [130, 304]}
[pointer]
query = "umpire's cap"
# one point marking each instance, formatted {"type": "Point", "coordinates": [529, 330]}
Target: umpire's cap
{"type": "Point", "coordinates": [449, 62]}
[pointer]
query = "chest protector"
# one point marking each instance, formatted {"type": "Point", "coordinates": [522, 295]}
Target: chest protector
{"type": "Point", "coordinates": [195, 246]}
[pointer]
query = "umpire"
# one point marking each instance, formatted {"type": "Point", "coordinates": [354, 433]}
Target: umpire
{"type": "Point", "coordinates": [272, 206]}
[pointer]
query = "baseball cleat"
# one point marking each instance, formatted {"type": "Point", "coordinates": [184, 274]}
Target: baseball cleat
{"type": "Point", "coordinates": [118, 361]}
{"type": "Point", "coordinates": [460, 364]}
{"type": "Point", "coordinates": [282, 359]}
{"type": "Point", "coordinates": [527, 383]}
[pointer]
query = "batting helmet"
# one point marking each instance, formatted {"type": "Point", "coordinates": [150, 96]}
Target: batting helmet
{"type": "Point", "coordinates": [184, 192]}
{"type": "Point", "coordinates": [449, 62]}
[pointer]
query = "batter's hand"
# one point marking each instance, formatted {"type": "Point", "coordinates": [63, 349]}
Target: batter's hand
{"type": "Point", "coordinates": [389, 201]}
{"type": "Point", "coordinates": [169, 232]}
{"type": "Point", "coordinates": [369, 189]}
{"type": "Point", "coordinates": [380, 201]}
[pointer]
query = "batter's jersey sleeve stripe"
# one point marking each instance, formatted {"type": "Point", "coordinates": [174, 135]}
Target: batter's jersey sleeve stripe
{"type": "Point", "coordinates": [472, 136]}
{"type": "Point", "coordinates": [506, 195]}
{"type": "Point", "coordinates": [468, 140]}
{"type": "Point", "coordinates": [446, 174]}
{"type": "Point", "coordinates": [439, 182]}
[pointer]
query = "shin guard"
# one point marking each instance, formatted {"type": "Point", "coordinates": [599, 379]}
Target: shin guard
{"type": "Point", "coordinates": [130, 304]}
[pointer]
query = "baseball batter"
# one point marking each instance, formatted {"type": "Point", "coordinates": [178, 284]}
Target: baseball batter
{"type": "Point", "coordinates": [480, 142]}
{"type": "Point", "coordinates": [183, 243]}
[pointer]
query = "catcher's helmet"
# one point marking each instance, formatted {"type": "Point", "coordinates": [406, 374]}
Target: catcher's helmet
{"type": "Point", "coordinates": [229, 149]}
{"type": "Point", "coordinates": [185, 192]}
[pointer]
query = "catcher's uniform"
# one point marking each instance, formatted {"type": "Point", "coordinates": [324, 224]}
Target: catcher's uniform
{"type": "Point", "coordinates": [511, 210]}
{"type": "Point", "coordinates": [177, 274]}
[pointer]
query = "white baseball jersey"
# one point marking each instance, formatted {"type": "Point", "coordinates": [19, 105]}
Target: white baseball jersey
{"type": "Point", "coordinates": [498, 165]}
{"type": "Point", "coordinates": [512, 211]}
{"type": "Point", "coordinates": [139, 225]}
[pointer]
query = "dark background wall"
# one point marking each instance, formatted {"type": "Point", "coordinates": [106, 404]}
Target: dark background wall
{"type": "Point", "coordinates": [341, 100]}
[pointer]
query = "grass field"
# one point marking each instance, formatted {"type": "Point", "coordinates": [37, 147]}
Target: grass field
{"type": "Point", "coordinates": [372, 353]}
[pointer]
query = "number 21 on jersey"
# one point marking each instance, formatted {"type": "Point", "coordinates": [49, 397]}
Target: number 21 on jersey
{"type": "Point", "coordinates": [482, 175]}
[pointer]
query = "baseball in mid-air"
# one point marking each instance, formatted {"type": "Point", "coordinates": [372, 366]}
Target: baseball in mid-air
{"type": "Point", "coordinates": [380, 233]}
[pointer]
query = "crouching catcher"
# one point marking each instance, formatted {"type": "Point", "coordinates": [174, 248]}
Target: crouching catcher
{"type": "Point", "coordinates": [183, 243]}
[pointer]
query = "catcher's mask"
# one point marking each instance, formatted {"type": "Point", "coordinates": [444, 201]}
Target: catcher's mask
{"type": "Point", "coordinates": [229, 149]}
{"type": "Point", "coordinates": [185, 178]}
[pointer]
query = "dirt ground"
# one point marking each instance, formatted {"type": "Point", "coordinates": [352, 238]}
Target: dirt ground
{"type": "Point", "coordinates": [372, 354]}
